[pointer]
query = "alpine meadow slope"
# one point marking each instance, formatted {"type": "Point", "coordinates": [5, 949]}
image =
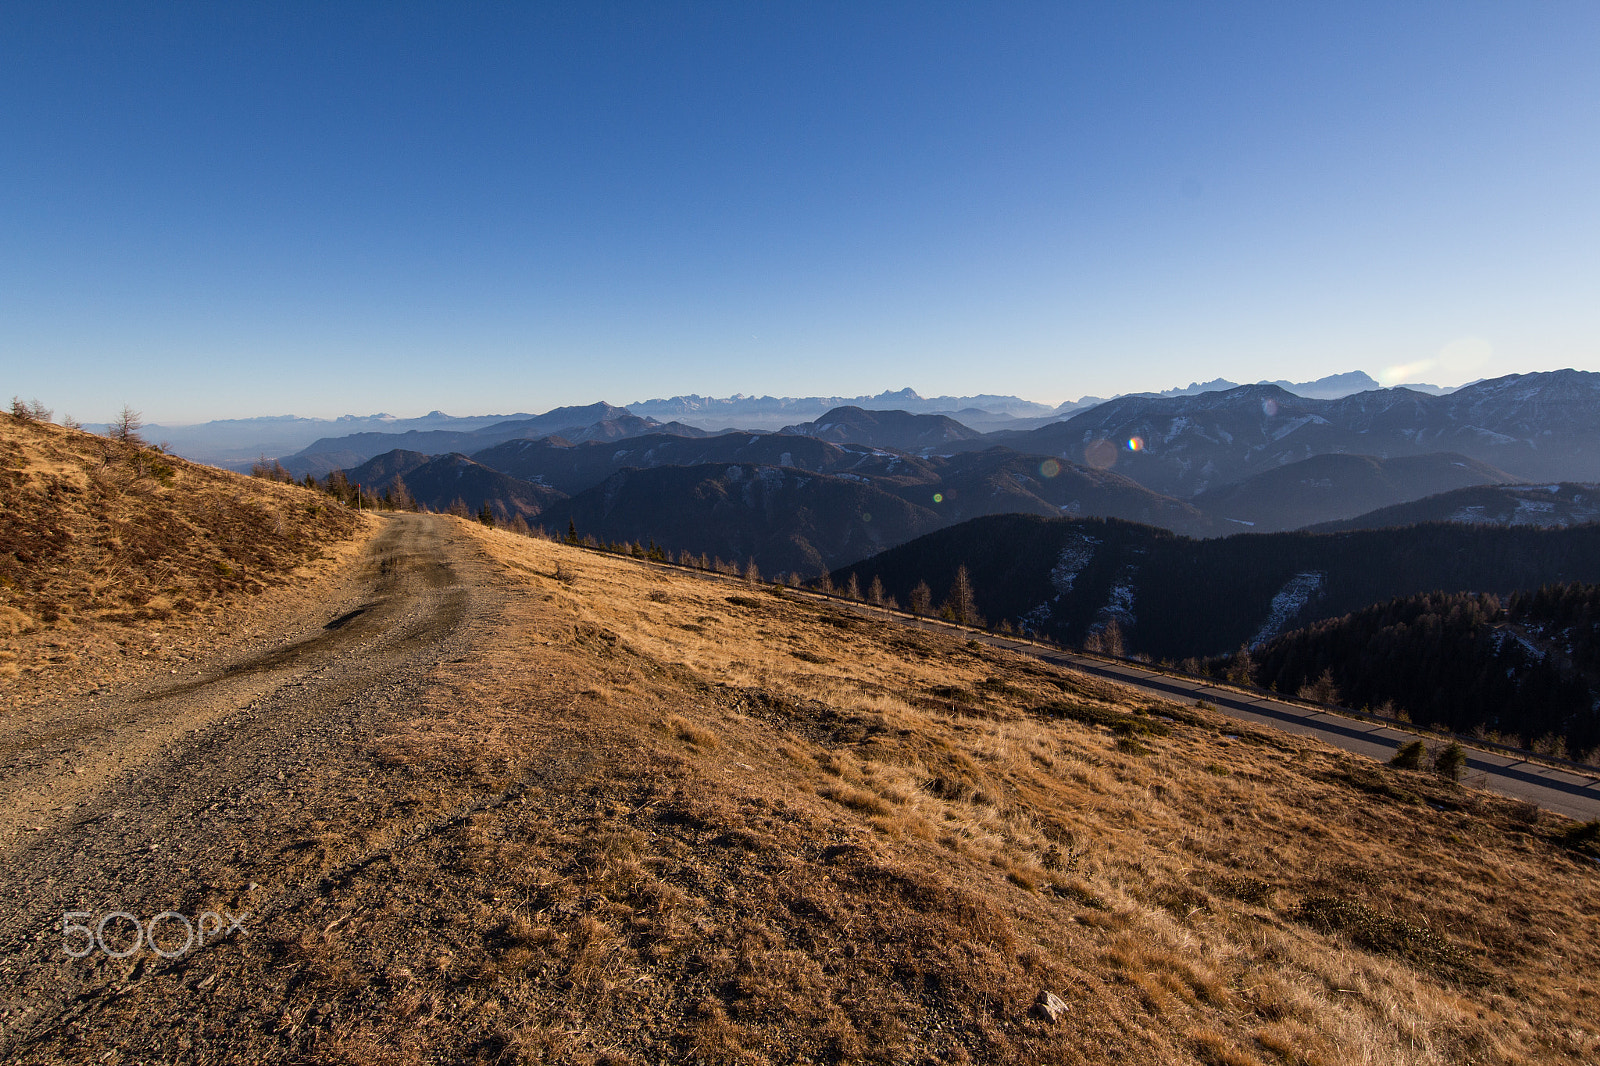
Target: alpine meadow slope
{"type": "Point", "coordinates": [480, 796]}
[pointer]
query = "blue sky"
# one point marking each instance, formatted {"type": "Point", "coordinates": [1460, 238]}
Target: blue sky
{"type": "Point", "coordinates": [212, 210]}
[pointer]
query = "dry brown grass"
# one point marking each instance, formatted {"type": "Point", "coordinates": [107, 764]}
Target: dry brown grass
{"type": "Point", "coordinates": [655, 829]}
{"type": "Point", "coordinates": [975, 825]}
{"type": "Point", "coordinates": [96, 533]}
{"type": "Point", "coordinates": [92, 528]}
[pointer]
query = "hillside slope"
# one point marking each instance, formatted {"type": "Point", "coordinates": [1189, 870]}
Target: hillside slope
{"type": "Point", "coordinates": [899, 430]}
{"type": "Point", "coordinates": [100, 539]}
{"type": "Point", "coordinates": [1326, 488]}
{"type": "Point", "coordinates": [948, 489]}
{"type": "Point", "coordinates": [442, 481]}
{"type": "Point", "coordinates": [1527, 668]}
{"type": "Point", "coordinates": [1564, 504]}
{"type": "Point", "coordinates": [1173, 597]}
{"type": "Point", "coordinates": [787, 520]}
{"type": "Point", "coordinates": [632, 816]}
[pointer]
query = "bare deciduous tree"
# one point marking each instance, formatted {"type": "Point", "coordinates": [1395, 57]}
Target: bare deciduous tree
{"type": "Point", "coordinates": [400, 497]}
{"type": "Point", "coordinates": [961, 605]}
{"type": "Point", "coordinates": [127, 426]}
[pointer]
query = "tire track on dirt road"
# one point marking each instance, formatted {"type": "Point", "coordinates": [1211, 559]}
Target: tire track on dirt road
{"type": "Point", "coordinates": [173, 799]}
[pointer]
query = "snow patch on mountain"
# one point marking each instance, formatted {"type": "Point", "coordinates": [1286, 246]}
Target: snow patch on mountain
{"type": "Point", "coordinates": [1287, 603]}
{"type": "Point", "coordinates": [1070, 563]}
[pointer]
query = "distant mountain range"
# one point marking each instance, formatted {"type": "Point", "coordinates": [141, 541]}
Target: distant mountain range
{"type": "Point", "coordinates": [236, 443]}
{"type": "Point", "coordinates": [599, 421]}
{"type": "Point", "coordinates": [1266, 460]}
{"type": "Point", "coordinates": [1534, 426]}
{"type": "Point", "coordinates": [984, 412]}
{"type": "Point", "coordinates": [790, 502]}
{"type": "Point", "coordinates": [773, 412]}
{"type": "Point", "coordinates": [1332, 387]}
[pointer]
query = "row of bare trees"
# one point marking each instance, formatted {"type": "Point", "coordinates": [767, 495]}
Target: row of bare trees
{"type": "Point", "coordinates": [960, 605]}
{"type": "Point", "coordinates": [125, 427]}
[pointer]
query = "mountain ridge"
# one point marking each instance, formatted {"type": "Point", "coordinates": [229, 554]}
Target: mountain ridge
{"type": "Point", "coordinates": [1535, 426]}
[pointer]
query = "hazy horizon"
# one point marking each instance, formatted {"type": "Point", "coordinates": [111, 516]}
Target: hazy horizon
{"type": "Point", "coordinates": [538, 408]}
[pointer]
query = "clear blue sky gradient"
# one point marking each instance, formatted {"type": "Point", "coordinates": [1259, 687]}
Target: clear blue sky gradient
{"type": "Point", "coordinates": [213, 210]}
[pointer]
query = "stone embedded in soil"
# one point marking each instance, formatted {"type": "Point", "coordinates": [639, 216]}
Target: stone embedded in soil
{"type": "Point", "coordinates": [1049, 1007]}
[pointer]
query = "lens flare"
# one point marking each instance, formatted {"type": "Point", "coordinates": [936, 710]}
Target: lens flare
{"type": "Point", "coordinates": [1136, 444]}
{"type": "Point", "coordinates": [1269, 408]}
{"type": "Point", "coordinates": [1049, 468]}
{"type": "Point", "coordinates": [938, 497]}
{"type": "Point", "coordinates": [1100, 454]}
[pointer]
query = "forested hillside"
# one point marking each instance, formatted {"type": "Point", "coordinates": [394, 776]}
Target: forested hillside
{"type": "Point", "coordinates": [1567, 503]}
{"type": "Point", "coordinates": [1527, 668]}
{"type": "Point", "coordinates": [1172, 597]}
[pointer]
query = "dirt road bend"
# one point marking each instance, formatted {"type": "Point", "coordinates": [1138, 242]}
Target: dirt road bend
{"type": "Point", "coordinates": [175, 799]}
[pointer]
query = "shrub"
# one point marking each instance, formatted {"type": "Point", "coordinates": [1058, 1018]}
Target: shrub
{"type": "Point", "coordinates": [1384, 933]}
{"type": "Point", "coordinates": [1450, 762]}
{"type": "Point", "coordinates": [1584, 837]}
{"type": "Point", "coordinates": [1409, 757]}
{"type": "Point", "coordinates": [1322, 690]}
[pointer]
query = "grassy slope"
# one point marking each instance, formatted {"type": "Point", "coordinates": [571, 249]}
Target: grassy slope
{"type": "Point", "coordinates": [99, 537]}
{"type": "Point", "coordinates": [669, 819]}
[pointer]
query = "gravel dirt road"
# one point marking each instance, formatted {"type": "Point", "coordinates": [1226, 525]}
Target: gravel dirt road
{"type": "Point", "coordinates": [165, 798]}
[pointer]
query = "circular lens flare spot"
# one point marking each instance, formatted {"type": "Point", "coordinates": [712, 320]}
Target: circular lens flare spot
{"type": "Point", "coordinates": [1049, 468]}
{"type": "Point", "coordinates": [1100, 454]}
{"type": "Point", "coordinates": [938, 497]}
{"type": "Point", "coordinates": [1136, 444]}
{"type": "Point", "coordinates": [1269, 408]}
